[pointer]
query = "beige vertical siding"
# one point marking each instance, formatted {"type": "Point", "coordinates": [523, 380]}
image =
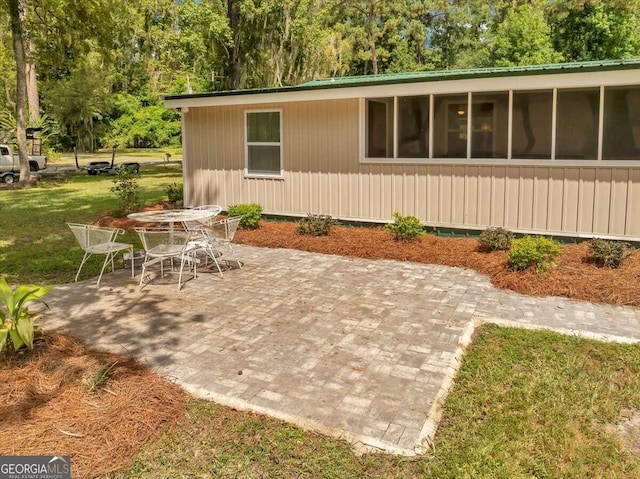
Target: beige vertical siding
{"type": "Point", "coordinates": [322, 174]}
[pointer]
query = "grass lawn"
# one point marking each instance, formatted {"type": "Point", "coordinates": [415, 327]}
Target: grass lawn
{"type": "Point", "coordinates": [129, 154]}
{"type": "Point", "coordinates": [36, 246]}
{"type": "Point", "coordinates": [525, 404]}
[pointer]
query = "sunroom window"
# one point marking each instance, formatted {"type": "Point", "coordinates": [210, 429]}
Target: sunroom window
{"type": "Point", "coordinates": [379, 128]}
{"type": "Point", "coordinates": [413, 127]}
{"type": "Point", "coordinates": [532, 117]}
{"type": "Point", "coordinates": [577, 124]}
{"type": "Point", "coordinates": [621, 123]}
{"type": "Point", "coordinates": [450, 119]}
{"type": "Point", "coordinates": [561, 125]}
{"type": "Point", "coordinates": [263, 143]}
{"type": "Point", "coordinates": [489, 125]}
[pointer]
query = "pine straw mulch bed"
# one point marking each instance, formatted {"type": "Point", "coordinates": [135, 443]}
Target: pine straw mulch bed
{"type": "Point", "coordinates": [575, 275]}
{"type": "Point", "coordinates": [52, 401]}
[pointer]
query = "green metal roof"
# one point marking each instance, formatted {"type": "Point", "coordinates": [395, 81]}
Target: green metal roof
{"type": "Point", "coordinates": [429, 76]}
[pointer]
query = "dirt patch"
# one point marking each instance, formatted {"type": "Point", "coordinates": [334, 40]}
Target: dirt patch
{"type": "Point", "coordinates": [575, 276]}
{"type": "Point", "coordinates": [99, 408]}
{"type": "Point", "coordinates": [33, 180]}
{"type": "Point", "coordinates": [628, 429]}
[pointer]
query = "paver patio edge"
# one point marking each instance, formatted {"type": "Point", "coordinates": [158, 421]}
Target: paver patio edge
{"type": "Point", "coordinates": [360, 443]}
{"type": "Point", "coordinates": [430, 427]}
{"type": "Point", "coordinates": [428, 432]}
{"type": "Point", "coordinates": [608, 338]}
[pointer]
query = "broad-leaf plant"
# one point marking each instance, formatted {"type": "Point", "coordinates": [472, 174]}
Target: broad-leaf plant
{"type": "Point", "coordinates": [17, 323]}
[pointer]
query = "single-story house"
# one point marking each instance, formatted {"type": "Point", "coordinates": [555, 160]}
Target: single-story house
{"type": "Point", "coordinates": [551, 149]}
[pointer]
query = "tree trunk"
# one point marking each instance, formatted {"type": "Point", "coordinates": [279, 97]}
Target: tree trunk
{"type": "Point", "coordinates": [33, 99]}
{"type": "Point", "coordinates": [372, 38]}
{"type": "Point", "coordinates": [235, 72]}
{"type": "Point", "coordinates": [15, 7]}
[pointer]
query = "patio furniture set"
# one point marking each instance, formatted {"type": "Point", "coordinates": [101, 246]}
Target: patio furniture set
{"type": "Point", "coordinates": [199, 239]}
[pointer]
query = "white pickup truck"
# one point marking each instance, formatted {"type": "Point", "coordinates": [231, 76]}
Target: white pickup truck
{"type": "Point", "coordinates": [10, 164]}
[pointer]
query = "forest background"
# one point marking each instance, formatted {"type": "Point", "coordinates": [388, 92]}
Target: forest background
{"type": "Point", "coordinates": [97, 69]}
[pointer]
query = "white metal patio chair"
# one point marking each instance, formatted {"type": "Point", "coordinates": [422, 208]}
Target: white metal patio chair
{"type": "Point", "coordinates": [99, 240]}
{"type": "Point", "coordinates": [197, 225]}
{"type": "Point", "coordinates": [221, 234]}
{"type": "Point", "coordinates": [163, 244]}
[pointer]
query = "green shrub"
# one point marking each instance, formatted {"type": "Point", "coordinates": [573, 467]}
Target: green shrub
{"type": "Point", "coordinates": [250, 212]}
{"type": "Point", "coordinates": [175, 193]}
{"type": "Point", "coordinates": [495, 239]}
{"type": "Point", "coordinates": [607, 252]}
{"type": "Point", "coordinates": [405, 227]}
{"type": "Point", "coordinates": [316, 225]}
{"type": "Point", "coordinates": [538, 252]}
{"type": "Point", "coordinates": [125, 187]}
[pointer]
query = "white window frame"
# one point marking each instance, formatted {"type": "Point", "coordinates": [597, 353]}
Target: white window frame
{"type": "Point", "coordinates": [248, 143]}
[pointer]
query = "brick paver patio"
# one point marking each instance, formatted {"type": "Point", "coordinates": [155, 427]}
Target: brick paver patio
{"type": "Point", "coordinates": [363, 350]}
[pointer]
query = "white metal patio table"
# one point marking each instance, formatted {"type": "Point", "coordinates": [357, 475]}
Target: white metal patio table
{"type": "Point", "coordinates": [171, 216]}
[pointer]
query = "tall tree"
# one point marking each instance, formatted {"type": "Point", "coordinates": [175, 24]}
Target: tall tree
{"type": "Point", "coordinates": [591, 30]}
{"type": "Point", "coordinates": [291, 40]}
{"type": "Point", "coordinates": [366, 23]}
{"type": "Point", "coordinates": [234, 69]}
{"type": "Point", "coordinates": [461, 32]}
{"type": "Point", "coordinates": [523, 37]}
{"type": "Point", "coordinates": [81, 100]}
{"type": "Point", "coordinates": [16, 8]}
{"type": "Point", "coordinates": [33, 97]}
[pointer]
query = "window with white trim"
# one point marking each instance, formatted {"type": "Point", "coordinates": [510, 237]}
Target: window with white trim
{"type": "Point", "coordinates": [380, 128]}
{"type": "Point", "coordinates": [263, 143]}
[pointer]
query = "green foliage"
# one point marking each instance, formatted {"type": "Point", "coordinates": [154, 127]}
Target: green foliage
{"type": "Point", "coordinates": [48, 135]}
{"type": "Point", "coordinates": [250, 212]}
{"type": "Point", "coordinates": [495, 239]}
{"type": "Point", "coordinates": [597, 31]}
{"type": "Point", "coordinates": [175, 192]}
{"type": "Point", "coordinates": [523, 38]}
{"type": "Point", "coordinates": [126, 188]}
{"type": "Point", "coordinates": [316, 225]}
{"type": "Point", "coordinates": [138, 126]}
{"type": "Point", "coordinates": [17, 326]}
{"type": "Point", "coordinates": [607, 252]}
{"type": "Point", "coordinates": [405, 227]}
{"type": "Point", "coordinates": [533, 252]}
{"type": "Point", "coordinates": [81, 100]}
{"type": "Point", "coordinates": [86, 51]}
